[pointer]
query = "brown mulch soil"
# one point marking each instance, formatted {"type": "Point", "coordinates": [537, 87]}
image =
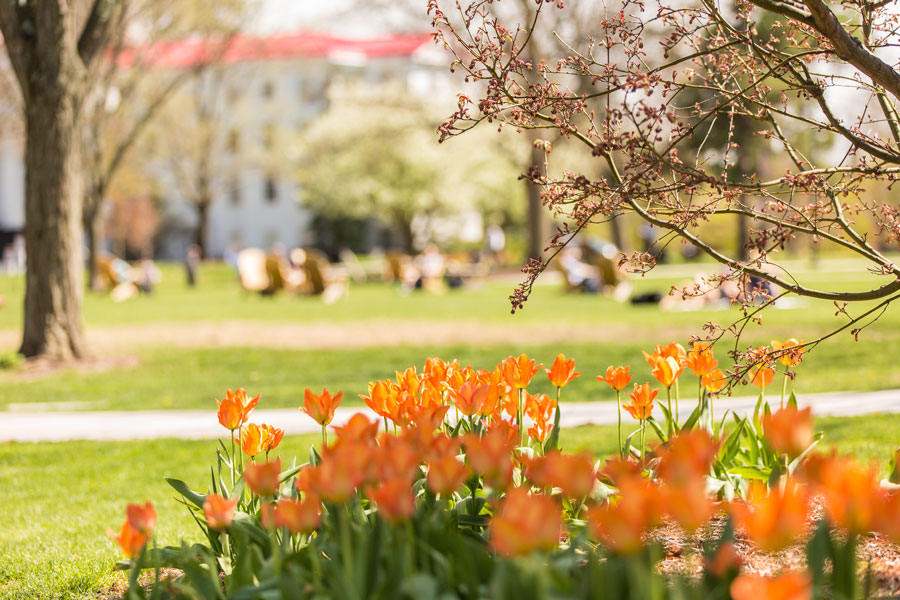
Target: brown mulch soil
{"type": "Point", "coordinates": [683, 554]}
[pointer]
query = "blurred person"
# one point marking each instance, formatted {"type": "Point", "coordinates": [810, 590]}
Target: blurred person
{"type": "Point", "coordinates": [147, 276]}
{"type": "Point", "coordinates": [192, 264]}
{"type": "Point", "coordinates": [431, 268]}
{"type": "Point", "coordinates": [579, 275]}
{"type": "Point", "coordinates": [495, 243]}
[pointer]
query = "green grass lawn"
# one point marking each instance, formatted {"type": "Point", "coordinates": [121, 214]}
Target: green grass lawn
{"type": "Point", "coordinates": [58, 498]}
{"type": "Point", "coordinates": [193, 378]}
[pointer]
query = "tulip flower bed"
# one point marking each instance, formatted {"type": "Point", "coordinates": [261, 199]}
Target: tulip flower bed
{"type": "Point", "coordinates": [464, 493]}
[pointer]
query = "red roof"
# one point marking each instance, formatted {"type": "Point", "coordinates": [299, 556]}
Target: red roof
{"type": "Point", "coordinates": [190, 52]}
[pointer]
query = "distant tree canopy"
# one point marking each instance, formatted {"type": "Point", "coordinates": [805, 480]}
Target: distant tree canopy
{"type": "Point", "coordinates": [373, 153]}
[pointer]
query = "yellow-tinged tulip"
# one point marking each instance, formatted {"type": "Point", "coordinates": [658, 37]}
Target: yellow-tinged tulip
{"type": "Point", "coordinates": [666, 370]}
{"type": "Point", "coordinates": [790, 351]}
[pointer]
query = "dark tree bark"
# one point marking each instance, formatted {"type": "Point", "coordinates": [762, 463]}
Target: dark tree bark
{"type": "Point", "coordinates": [53, 276]}
{"type": "Point", "coordinates": [537, 221]}
{"type": "Point", "coordinates": [202, 224]}
{"type": "Point", "coordinates": [52, 46]}
{"type": "Point", "coordinates": [94, 232]}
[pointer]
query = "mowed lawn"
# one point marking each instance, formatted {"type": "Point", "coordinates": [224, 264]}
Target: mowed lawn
{"type": "Point", "coordinates": [58, 498]}
{"type": "Point", "coordinates": [179, 374]}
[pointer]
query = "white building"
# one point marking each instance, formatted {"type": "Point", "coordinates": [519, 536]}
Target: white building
{"type": "Point", "coordinates": [261, 91]}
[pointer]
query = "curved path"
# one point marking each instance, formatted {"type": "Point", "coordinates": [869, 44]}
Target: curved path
{"type": "Point", "coordinates": [202, 424]}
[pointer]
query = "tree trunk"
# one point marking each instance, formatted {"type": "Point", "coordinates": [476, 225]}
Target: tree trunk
{"type": "Point", "coordinates": [537, 234]}
{"type": "Point", "coordinates": [93, 227]}
{"type": "Point", "coordinates": [202, 225]}
{"type": "Point", "coordinates": [615, 227]}
{"type": "Point", "coordinates": [53, 227]}
{"type": "Point", "coordinates": [404, 227]}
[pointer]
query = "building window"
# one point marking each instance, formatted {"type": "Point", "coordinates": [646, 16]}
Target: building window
{"type": "Point", "coordinates": [268, 136]}
{"type": "Point", "coordinates": [271, 189]}
{"type": "Point", "coordinates": [268, 90]}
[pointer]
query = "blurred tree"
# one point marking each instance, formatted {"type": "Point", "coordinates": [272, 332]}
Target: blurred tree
{"type": "Point", "coordinates": [54, 49]}
{"type": "Point", "coordinates": [132, 90]}
{"type": "Point", "coordinates": [373, 153]}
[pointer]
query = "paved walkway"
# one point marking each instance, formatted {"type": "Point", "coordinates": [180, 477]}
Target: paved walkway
{"type": "Point", "coordinates": [197, 424]}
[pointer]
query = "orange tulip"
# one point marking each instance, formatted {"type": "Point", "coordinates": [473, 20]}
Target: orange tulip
{"type": "Point", "coordinates": [130, 540]}
{"type": "Point", "coordinates": [436, 371]}
{"type": "Point", "coordinates": [263, 478]}
{"type": "Point", "coordinates": [886, 518]}
{"type": "Point", "coordinates": [252, 440]}
{"type": "Point", "coordinates": [219, 511]}
{"type": "Point", "coordinates": [446, 474]}
{"type": "Point", "coordinates": [321, 407]}
{"type": "Point", "coordinates": [714, 381]}
{"type": "Point", "coordinates": [853, 497]}
{"type": "Point", "coordinates": [379, 397]}
{"type": "Point", "coordinates": [341, 471]}
{"type": "Point", "coordinates": [525, 523]}
{"type": "Point", "coordinates": [621, 523]}
{"type": "Point", "coordinates": [299, 516]}
{"type": "Point", "coordinates": [394, 499]}
{"type": "Point", "coordinates": [687, 502]}
{"type": "Point", "coordinates": [641, 401]}
{"type": "Point", "coordinates": [666, 370]}
{"type": "Point", "coordinates": [518, 372]}
{"type": "Point", "coordinates": [725, 561]}
{"type": "Point", "coordinates": [490, 455]}
{"type": "Point", "coordinates": [540, 431]}
{"type": "Point", "coordinates": [788, 586]}
{"type": "Point", "coordinates": [791, 353]}
{"type": "Point", "coordinates": [430, 418]}
{"type": "Point", "coordinates": [235, 409]}
{"type": "Point", "coordinates": [539, 407]}
{"type": "Point", "coordinates": [773, 520]}
{"type": "Point", "coordinates": [616, 377]}
{"type": "Point", "coordinates": [271, 437]}
{"type": "Point", "coordinates": [562, 371]}
{"type": "Point", "coordinates": [396, 459]}
{"type": "Point", "coordinates": [700, 359]}
{"type": "Point", "coordinates": [460, 375]}
{"type": "Point", "coordinates": [672, 350]}
{"type": "Point", "coordinates": [491, 401]}
{"type": "Point", "coordinates": [469, 398]}
{"type": "Point", "coordinates": [357, 429]}
{"type": "Point", "coordinates": [142, 518]}
{"type": "Point", "coordinates": [761, 376]}
{"type": "Point", "coordinates": [688, 455]}
{"type": "Point", "coordinates": [408, 381]}
{"type": "Point", "coordinates": [788, 430]}
{"type": "Point", "coordinates": [572, 473]}
{"type": "Point", "coordinates": [230, 413]}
